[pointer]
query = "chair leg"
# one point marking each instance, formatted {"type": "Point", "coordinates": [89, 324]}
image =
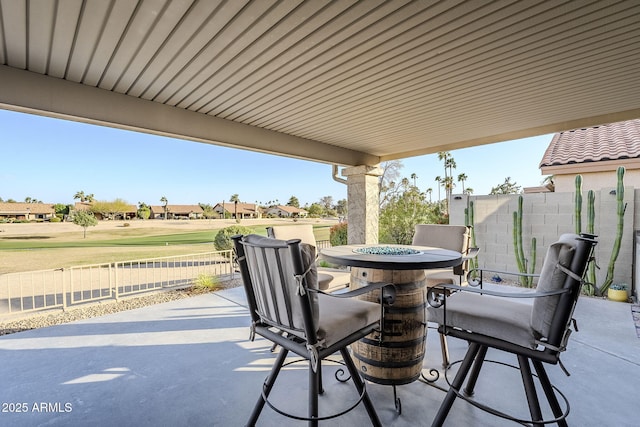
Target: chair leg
{"type": "Point", "coordinates": [457, 382]}
{"type": "Point", "coordinates": [444, 348]}
{"type": "Point", "coordinates": [475, 371]}
{"type": "Point", "coordinates": [320, 387]}
{"type": "Point", "coordinates": [267, 386]}
{"type": "Point", "coordinates": [530, 391]}
{"type": "Point", "coordinates": [548, 391]}
{"type": "Point", "coordinates": [358, 382]}
{"type": "Point", "coordinates": [314, 388]}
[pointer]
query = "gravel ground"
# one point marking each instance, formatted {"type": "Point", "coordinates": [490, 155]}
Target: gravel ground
{"type": "Point", "coordinates": [104, 308]}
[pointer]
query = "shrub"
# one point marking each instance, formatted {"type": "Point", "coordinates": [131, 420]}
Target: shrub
{"type": "Point", "coordinates": [207, 283]}
{"type": "Point", "coordinates": [223, 242]}
{"type": "Point", "coordinates": [55, 219]}
{"type": "Point", "coordinates": [338, 234]}
{"type": "Point", "coordinates": [126, 224]}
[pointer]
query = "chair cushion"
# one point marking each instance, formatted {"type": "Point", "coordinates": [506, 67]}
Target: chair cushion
{"type": "Point", "coordinates": [483, 314]}
{"type": "Point", "coordinates": [445, 236]}
{"type": "Point", "coordinates": [341, 317]}
{"type": "Point", "coordinates": [552, 279]}
{"type": "Point", "coordinates": [304, 232]}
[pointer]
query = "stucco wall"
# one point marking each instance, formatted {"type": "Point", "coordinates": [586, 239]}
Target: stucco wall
{"type": "Point", "coordinates": [546, 216]}
{"type": "Point", "coordinates": [595, 180]}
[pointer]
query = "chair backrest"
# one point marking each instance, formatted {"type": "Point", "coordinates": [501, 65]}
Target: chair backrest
{"type": "Point", "coordinates": [277, 275]}
{"type": "Point", "coordinates": [551, 315]}
{"type": "Point", "coordinates": [451, 237]}
{"type": "Point", "coordinates": [304, 232]}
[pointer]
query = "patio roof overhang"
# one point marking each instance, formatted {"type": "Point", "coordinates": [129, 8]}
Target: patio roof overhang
{"type": "Point", "coordinates": [344, 82]}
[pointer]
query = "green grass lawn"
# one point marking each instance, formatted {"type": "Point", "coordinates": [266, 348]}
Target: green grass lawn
{"type": "Point", "coordinates": [193, 238]}
{"type": "Point", "coordinates": [42, 251]}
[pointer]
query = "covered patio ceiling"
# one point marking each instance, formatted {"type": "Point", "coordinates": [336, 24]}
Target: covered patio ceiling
{"type": "Point", "coordinates": [341, 82]}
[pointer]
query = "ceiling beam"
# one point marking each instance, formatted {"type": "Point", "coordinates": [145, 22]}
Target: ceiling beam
{"type": "Point", "coordinates": [33, 93]}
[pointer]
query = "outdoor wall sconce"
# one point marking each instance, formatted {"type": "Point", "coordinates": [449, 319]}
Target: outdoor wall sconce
{"type": "Point", "coordinates": [457, 197]}
{"type": "Point", "coordinates": [612, 192]}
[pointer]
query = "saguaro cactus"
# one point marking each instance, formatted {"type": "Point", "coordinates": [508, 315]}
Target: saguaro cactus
{"type": "Point", "coordinates": [621, 207]}
{"type": "Point", "coordinates": [524, 266]}
{"type": "Point", "coordinates": [591, 276]}
{"type": "Point", "coordinates": [591, 218]}
{"type": "Point", "coordinates": [578, 204]}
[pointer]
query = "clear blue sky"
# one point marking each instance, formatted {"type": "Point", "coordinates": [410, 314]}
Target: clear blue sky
{"type": "Point", "coordinates": [50, 160]}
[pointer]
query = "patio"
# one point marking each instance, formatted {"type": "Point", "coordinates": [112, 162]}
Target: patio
{"type": "Point", "coordinates": [190, 363]}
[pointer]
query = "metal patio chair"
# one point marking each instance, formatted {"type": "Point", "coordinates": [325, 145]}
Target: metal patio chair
{"type": "Point", "coordinates": [329, 279]}
{"type": "Point", "coordinates": [287, 308]}
{"type": "Point", "coordinates": [535, 333]}
{"type": "Point", "coordinates": [453, 237]}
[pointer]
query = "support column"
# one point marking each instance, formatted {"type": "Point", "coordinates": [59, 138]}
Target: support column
{"type": "Point", "coordinates": [363, 196]}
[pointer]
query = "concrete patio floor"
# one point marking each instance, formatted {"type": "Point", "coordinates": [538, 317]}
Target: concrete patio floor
{"type": "Point", "coordinates": [190, 363]}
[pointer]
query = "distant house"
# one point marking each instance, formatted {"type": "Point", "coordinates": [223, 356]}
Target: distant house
{"type": "Point", "coordinates": [177, 212]}
{"type": "Point", "coordinates": [26, 211]}
{"type": "Point", "coordinates": [595, 153]}
{"type": "Point", "coordinates": [243, 210]}
{"type": "Point", "coordinates": [286, 212]}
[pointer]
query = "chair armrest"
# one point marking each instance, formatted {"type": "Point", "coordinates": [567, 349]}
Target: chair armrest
{"type": "Point", "coordinates": [388, 292]}
{"type": "Point", "coordinates": [478, 282]}
{"type": "Point", "coordinates": [436, 299]}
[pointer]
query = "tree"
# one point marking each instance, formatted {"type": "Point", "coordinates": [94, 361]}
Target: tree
{"type": "Point", "coordinates": [110, 210]}
{"type": "Point", "coordinates": [84, 219]}
{"type": "Point", "coordinates": [234, 198]}
{"type": "Point", "coordinates": [462, 178]}
{"type": "Point", "coordinates": [439, 180]}
{"type": "Point", "coordinates": [61, 209]}
{"type": "Point", "coordinates": [165, 203]}
{"type": "Point", "coordinates": [315, 210]}
{"type": "Point", "coordinates": [84, 197]}
{"type": "Point", "coordinates": [31, 200]}
{"type": "Point", "coordinates": [327, 202]}
{"type": "Point", "coordinates": [293, 201]}
{"type": "Point", "coordinates": [386, 184]}
{"type": "Point", "coordinates": [429, 191]}
{"type": "Point", "coordinates": [400, 215]}
{"type": "Point", "coordinates": [144, 211]}
{"type": "Point", "coordinates": [207, 210]}
{"type": "Point", "coordinates": [507, 187]}
{"type": "Point", "coordinates": [341, 207]}
{"type": "Point", "coordinates": [414, 177]}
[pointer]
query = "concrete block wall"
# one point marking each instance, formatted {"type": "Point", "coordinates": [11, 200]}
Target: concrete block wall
{"type": "Point", "coordinates": [546, 216]}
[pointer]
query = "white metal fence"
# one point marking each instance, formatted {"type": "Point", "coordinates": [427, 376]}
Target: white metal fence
{"type": "Point", "coordinates": [46, 289]}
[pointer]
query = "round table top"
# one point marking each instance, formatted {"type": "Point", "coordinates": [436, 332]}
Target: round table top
{"type": "Point", "coordinates": [424, 257]}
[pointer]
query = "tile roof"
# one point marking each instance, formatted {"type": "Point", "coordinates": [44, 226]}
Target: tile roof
{"type": "Point", "coordinates": [19, 207]}
{"type": "Point", "coordinates": [290, 209]}
{"type": "Point", "coordinates": [612, 141]}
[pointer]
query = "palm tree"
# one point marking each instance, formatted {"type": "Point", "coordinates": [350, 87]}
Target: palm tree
{"type": "Point", "coordinates": [84, 197]}
{"type": "Point", "coordinates": [468, 190]}
{"type": "Point", "coordinates": [414, 177]}
{"type": "Point", "coordinates": [439, 181]}
{"type": "Point", "coordinates": [165, 202]}
{"type": "Point", "coordinates": [429, 191]}
{"type": "Point", "coordinates": [462, 178]}
{"type": "Point", "coordinates": [234, 198]}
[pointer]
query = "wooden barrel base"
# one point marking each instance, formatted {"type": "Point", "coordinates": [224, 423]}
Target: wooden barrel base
{"type": "Point", "coordinates": [397, 358]}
